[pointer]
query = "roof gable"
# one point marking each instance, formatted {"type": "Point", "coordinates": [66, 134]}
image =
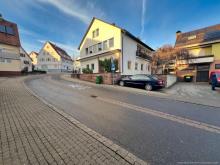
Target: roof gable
{"type": "Point", "coordinates": [62, 53]}
{"type": "Point", "coordinates": [89, 27]}
{"type": "Point", "coordinates": [113, 25]}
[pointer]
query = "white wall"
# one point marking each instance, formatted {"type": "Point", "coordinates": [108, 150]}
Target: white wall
{"type": "Point", "coordinates": [25, 59]}
{"type": "Point", "coordinates": [47, 65]}
{"type": "Point", "coordinates": [129, 54]}
{"type": "Point", "coordinates": [90, 62]}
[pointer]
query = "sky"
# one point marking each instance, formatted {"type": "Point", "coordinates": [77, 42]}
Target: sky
{"type": "Point", "coordinates": [64, 22]}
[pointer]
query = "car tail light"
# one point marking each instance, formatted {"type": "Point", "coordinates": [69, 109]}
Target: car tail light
{"type": "Point", "coordinates": [160, 82]}
{"type": "Point", "coordinates": [218, 79]}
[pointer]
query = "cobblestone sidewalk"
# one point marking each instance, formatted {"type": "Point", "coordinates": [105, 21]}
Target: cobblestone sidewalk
{"type": "Point", "coordinates": [33, 133]}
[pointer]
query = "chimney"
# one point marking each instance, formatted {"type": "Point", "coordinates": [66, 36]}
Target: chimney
{"type": "Point", "coordinates": [178, 33]}
{"type": "Point", "coordinates": [113, 24]}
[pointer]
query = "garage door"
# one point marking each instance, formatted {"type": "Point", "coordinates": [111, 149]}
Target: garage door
{"type": "Point", "coordinates": [202, 76]}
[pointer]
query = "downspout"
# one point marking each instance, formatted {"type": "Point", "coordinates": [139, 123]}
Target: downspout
{"type": "Point", "coordinates": [122, 51]}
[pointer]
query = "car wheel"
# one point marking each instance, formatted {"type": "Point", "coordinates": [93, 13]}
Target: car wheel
{"type": "Point", "coordinates": [121, 83]}
{"type": "Point", "coordinates": [148, 87]}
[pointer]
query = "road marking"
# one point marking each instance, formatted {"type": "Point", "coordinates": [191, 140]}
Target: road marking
{"type": "Point", "coordinates": [79, 87]}
{"type": "Point", "coordinates": [189, 122]}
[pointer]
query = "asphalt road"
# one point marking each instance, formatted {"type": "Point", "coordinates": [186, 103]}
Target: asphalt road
{"type": "Point", "coordinates": [152, 137]}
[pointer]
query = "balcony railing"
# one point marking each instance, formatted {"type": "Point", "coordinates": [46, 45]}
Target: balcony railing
{"type": "Point", "coordinates": [143, 55]}
{"type": "Point", "coordinates": [9, 55]}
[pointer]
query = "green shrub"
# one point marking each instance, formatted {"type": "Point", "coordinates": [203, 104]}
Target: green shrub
{"type": "Point", "coordinates": [87, 70]}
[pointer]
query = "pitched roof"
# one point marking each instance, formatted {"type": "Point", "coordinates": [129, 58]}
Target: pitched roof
{"type": "Point", "coordinates": [35, 53]}
{"type": "Point", "coordinates": [207, 34]}
{"type": "Point", "coordinates": [60, 51]}
{"type": "Point", "coordinates": [123, 30]}
{"type": "Point", "coordinates": [21, 48]}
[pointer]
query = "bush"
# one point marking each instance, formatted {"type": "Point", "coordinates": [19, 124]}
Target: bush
{"type": "Point", "coordinates": [106, 64]}
{"type": "Point", "coordinates": [87, 70]}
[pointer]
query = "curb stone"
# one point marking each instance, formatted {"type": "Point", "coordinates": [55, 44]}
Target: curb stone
{"type": "Point", "coordinates": [126, 155]}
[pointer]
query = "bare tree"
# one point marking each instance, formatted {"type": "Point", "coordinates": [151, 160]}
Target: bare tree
{"type": "Point", "coordinates": [166, 57]}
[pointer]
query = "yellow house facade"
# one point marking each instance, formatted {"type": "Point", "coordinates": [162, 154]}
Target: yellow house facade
{"type": "Point", "coordinates": [204, 48]}
{"type": "Point", "coordinates": [103, 40]}
{"type": "Point", "coordinates": [33, 56]}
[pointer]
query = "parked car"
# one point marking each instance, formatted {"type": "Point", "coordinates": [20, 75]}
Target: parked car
{"type": "Point", "coordinates": [217, 76]}
{"type": "Point", "coordinates": [149, 82]}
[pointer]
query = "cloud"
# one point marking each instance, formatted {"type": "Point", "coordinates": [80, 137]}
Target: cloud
{"type": "Point", "coordinates": [143, 17]}
{"type": "Point", "coordinates": [71, 49]}
{"type": "Point", "coordinates": [82, 12]}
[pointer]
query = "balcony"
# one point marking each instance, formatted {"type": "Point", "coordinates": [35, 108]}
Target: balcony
{"type": "Point", "coordinates": [143, 55]}
{"type": "Point", "coordinates": [9, 55]}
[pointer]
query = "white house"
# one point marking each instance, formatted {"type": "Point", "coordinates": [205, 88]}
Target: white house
{"type": "Point", "coordinates": [52, 58]}
{"type": "Point", "coordinates": [26, 62]}
{"type": "Point", "coordinates": [103, 40]}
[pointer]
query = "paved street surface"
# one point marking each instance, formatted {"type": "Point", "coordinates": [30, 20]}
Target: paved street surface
{"type": "Point", "coordinates": [195, 90]}
{"type": "Point", "coordinates": [158, 130]}
{"type": "Point", "coordinates": [33, 133]}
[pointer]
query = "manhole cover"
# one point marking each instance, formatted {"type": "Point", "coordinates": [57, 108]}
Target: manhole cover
{"type": "Point", "coordinates": [93, 96]}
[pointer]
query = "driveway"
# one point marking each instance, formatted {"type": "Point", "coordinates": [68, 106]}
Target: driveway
{"type": "Point", "coordinates": [194, 90]}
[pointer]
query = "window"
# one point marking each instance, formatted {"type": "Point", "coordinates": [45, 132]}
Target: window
{"type": "Point", "coordinates": [99, 46]}
{"type": "Point", "coordinates": [2, 29]}
{"type": "Point", "coordinates": [87, 50]}
{"type": "Point", "coordinates": [90, 50]}
{"type": "Point", "coordinates": [92, 66]}
{"type": "Point", "coordinates": [93, 34]}
{"type": "Point", "coordinates": [22, 55]}
{"type": "Point", "coordinates": [97, 32]}
{"type": "Point", "coordinates": [87, 66]}
{"type": "Point", "coordinates": [48, 59]}
{"type": "Point", "coordinates": [9, 30]}
{"type": "Point", "coordinates": [2, 60]}
{"type": "Point", "coordinates": [142, 66]}
{"type": "Point", "coordinates": [8, 61]}
{"type": "Point", "coordinates": [105, 45]}
{"type": "Point", "coordinates": [95, 48]}
{"type": "Point", "coordinates": [136, 66]}
{"type": "Point", "coordinates": [129, 65]}
{"type": "Point", "coordinates": [217, 66]}
{"type": "Point", "coordinates": [111, 42]}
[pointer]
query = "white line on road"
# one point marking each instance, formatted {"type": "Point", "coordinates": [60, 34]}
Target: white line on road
{"type": "Point", "coordinates": [189, 122]}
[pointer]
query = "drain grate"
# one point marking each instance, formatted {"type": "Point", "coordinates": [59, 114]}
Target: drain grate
{"type": "Point", "coordinates": [93, 96]}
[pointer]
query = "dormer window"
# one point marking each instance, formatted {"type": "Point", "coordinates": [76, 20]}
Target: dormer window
{"type": "Point", "coordinates": [192, 37]}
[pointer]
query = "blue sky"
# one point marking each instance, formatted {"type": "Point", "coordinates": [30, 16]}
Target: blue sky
{"type": "Point", "coordinates": [65, 21]}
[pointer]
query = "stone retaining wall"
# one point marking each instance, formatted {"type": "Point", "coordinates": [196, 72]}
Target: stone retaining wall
{"type": "Point", "coordinates": [107, 77]}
